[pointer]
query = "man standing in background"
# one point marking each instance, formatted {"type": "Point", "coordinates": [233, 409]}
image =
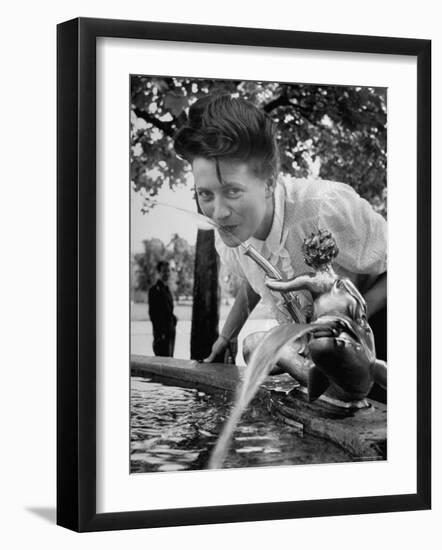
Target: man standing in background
{"type": "Point", "coordinates": [161, 313]}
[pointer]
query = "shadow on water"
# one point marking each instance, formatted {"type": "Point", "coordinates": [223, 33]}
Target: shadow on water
{"type": "Point", "coordinates": [48, 514]}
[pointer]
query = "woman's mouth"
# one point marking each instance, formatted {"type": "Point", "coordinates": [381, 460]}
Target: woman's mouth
{"type": "Point", "coordinates": [230, 234]}
{"type": "Point", "coordinates": [229, 228]}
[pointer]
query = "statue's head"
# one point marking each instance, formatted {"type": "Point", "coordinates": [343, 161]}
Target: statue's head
{"type": "Point", "coordinates": [319, 249]}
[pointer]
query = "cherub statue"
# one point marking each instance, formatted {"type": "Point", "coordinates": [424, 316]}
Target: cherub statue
{"type": "Point", "coordinates": [335, 353]}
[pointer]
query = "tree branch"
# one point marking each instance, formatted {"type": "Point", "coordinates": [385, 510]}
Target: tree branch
{"type": "Point", "coordinates": [280, 101]}
{"type": "Point", "coordinates": [168, 128]}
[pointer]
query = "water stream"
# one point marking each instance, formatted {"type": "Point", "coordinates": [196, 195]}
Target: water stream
{"type": "Point", "coordinates": [263, 359]}
{"type": "Point", "coordinates": [262, 364]}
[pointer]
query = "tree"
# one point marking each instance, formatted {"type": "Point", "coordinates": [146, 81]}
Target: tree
{"type": "Point", "coordinates": [183, 256]}
{"type": "Point", "coordinates": [146, 262]}
{"type": "Point", "coordinates": [205, 311]}
{"type": "Point", "coordinates": [338, 130]}
{"type": "Point", "coordinates": [178, 251]}
{"type": "Point", "coordinates": [344, 127]}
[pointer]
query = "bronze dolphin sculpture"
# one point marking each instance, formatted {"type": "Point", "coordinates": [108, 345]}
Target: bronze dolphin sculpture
{"type": "Point", "coordinates": [344, 360]}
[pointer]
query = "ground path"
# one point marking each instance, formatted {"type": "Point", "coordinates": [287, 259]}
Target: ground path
{"type": "Point", "coordinates": [141, 329]}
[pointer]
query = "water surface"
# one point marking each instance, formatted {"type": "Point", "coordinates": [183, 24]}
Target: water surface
{"type": "Point", "coordinates": [175, 428]}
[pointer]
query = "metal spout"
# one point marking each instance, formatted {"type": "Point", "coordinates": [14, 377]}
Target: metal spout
{"type": "Point", "coordinates": [290, 299]}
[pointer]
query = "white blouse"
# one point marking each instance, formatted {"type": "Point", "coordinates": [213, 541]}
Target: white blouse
{"type": "Point", "coordinates": [301, 207]}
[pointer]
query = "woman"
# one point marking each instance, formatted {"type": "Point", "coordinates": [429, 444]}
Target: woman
{"type": "Point", "coordinates": [231, 146]}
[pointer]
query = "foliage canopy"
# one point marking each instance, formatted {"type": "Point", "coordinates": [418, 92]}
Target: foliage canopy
{"type": "Point", "coordinates": [339, 131]}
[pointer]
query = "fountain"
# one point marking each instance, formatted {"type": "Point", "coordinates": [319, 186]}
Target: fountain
{"type": "Point", "coordinates": [332, 358]}
{"type": "Point", "coordinates": [340, 350]}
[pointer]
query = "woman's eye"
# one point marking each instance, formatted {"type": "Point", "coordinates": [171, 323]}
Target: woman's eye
{"type": "Point", "coordinates": [233, 193]}
{"type": "Point", "coordinates": [204, 195]}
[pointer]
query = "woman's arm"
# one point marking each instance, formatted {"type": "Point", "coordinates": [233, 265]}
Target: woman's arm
{"type": "Point", "coordinates": [245, 302]}
{"type": "Point", "coordinates": [376, 295]}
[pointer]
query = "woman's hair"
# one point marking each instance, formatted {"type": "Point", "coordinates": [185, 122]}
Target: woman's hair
{"type": "Point", "coordinates": [222, 127]}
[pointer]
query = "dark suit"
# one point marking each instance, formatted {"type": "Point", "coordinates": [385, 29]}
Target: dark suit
{"type": "Point", "coordinates": [163, 319]}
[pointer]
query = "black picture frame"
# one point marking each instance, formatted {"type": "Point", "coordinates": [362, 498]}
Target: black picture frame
{"type": "Point", "coordinates": [76, 274]}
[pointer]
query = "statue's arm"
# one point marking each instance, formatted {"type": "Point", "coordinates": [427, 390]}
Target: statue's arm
{"type": "Point", "coordinates": [300, 282]}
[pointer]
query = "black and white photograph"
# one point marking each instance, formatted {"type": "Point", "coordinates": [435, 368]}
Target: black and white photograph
{"type": "Point", "coordinates": [201, 204]}
{"type": "Point", "coordinates": [258, 273]}
{"type": "Point", "coordinates": [230, 201]}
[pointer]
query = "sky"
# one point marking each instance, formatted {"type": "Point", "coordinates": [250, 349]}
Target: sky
{"type": "Point", "coordinates": [162, 222]}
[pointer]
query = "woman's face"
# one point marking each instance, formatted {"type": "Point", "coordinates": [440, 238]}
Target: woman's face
{"type": "Point", "coordinates": [242, 203]}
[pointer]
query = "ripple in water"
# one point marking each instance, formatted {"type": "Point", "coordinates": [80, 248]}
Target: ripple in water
{"type": "Point", "coordinates": [175, 428]}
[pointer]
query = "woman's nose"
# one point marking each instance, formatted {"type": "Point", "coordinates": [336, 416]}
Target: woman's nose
{"type": "Point", "coordinates": [220, 210]}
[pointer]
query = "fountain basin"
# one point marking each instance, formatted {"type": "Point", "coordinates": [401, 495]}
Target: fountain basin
{"type": "Point", "coordinates": [360, 433]}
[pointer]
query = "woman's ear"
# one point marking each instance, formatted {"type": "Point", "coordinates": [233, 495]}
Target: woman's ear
{"type": "Point", "coordinates": [270, 187]}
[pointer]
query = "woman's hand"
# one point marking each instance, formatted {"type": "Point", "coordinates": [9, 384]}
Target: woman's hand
{"type": "Point", "coordinates": [223, 350]}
